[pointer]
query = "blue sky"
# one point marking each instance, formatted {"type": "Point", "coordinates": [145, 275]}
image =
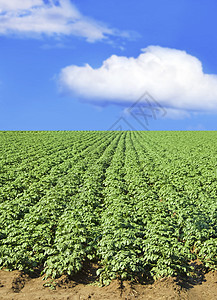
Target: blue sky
{"type": "Point", "coordinates": [79, 65]}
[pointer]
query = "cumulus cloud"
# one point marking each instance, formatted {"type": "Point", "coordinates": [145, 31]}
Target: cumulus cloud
{"type": "Point", "coordinates": [51, 17]}
{"type": "Point", "coordinates": [173, 77]}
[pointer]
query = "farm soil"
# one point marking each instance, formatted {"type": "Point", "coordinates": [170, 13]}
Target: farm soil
{"type": "Point", "coordinates": [16, 285]}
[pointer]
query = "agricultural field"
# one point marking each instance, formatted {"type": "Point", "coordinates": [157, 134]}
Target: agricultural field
{"type": "Point", "coordinates": [138, 205]}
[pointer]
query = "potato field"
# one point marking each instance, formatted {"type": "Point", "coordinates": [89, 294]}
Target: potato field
{"type": "Point", "coordinates": [140, 205]}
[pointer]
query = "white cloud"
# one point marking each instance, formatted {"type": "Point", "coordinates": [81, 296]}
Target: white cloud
{"type": "Point", "coordinates": [173, 77]}
{"type": "Point", "coordinates": [6, 5]}
{"type": "Point", "coordinates": [176, 114]}
{"type": "Point", "coordinates": [51, 17]}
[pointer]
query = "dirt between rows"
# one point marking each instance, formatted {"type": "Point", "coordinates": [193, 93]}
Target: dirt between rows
{"type": "Point", "coordinates": [17, 285]}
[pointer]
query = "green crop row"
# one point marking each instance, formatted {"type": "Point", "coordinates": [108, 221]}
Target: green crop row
{"type": "Point", "coordinates": [141, 205]}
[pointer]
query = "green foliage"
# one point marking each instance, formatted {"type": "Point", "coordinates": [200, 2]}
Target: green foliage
{"type": "Point", "coordinates": [140, 204]}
